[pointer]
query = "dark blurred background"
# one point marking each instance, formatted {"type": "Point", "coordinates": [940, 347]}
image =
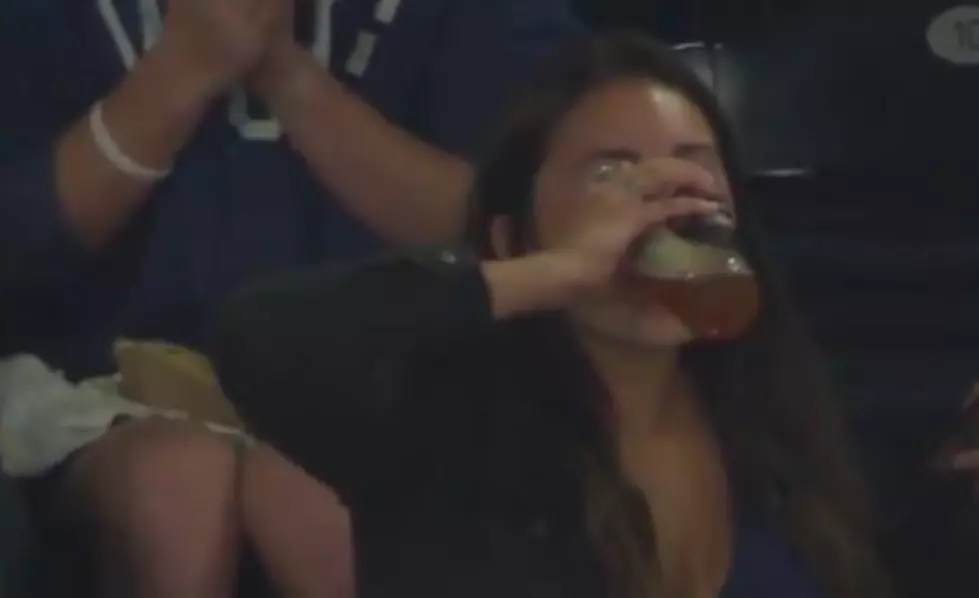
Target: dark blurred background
{"type": "Point", "coordinates": [861, 142]}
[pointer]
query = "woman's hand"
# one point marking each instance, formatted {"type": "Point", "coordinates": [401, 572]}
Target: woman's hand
{"type": "Point", "coordinates": [621, 205]}
{"type": "Point", "coordinates": [606, 224]}
{"type": "Point", "coordinates": [960, 454]}
{"type": "Point", "coordinates": [966, 462]}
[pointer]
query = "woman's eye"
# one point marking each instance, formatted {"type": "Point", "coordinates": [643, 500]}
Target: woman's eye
{"type": "Point", "coordinates": [604, 170]}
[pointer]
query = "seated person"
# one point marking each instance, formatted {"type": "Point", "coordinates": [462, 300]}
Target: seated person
{"type": "Point", "coordinates": [156, 155]}
{"type": "Point", "coordinates": [529, 422]}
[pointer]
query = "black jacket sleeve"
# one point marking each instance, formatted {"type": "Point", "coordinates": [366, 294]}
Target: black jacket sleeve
{"type": "Point", "coordinates": [310, 359]}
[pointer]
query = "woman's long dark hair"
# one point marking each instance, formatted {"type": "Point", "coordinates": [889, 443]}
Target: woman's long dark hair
{"type": "Point", "coordinates": [769, 401]}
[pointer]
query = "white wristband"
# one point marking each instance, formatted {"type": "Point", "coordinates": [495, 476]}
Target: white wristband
{"type": "Point", "coordinates": [111, 151]}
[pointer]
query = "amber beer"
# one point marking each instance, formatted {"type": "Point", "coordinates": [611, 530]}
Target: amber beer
{"type": "Point", "coordinates": [711, 306]}
{"type": "Point", "coordinates": [699, 277]}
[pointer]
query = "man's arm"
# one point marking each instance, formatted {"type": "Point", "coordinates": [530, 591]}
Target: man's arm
{"type": "Point", "coordinates": [407, 190]}
{"type": "Point", "coordinates": [62, 189]}
{"type": "Point", "coordinates": [59, 198]}
{"type": "Point", "coordinates": [149, 117]}
{"type": "Point", "coordinates": [404, 189]}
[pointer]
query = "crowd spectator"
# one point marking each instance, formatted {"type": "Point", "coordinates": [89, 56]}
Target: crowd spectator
{"type": "Point", "coordinates": [156, 155]}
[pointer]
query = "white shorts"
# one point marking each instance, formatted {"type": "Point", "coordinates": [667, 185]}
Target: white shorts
{"type": "Point", "coordinates": [44, 418]}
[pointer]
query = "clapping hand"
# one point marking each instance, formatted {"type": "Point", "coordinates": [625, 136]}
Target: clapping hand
{"type": "Point", "coordinates": [283, 56]}
{"type": "Point", "coordinates": [216, 43]}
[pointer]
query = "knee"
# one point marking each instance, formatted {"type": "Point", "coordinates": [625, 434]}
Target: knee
{"type": "Point", "coordinates": [271, 484]}
{"type": "Point", "coordinates": [155, 471]}
{"type": "Point", "coordinates": [269, 480]}
{"type": "Point", "coordinates": [297, 526]}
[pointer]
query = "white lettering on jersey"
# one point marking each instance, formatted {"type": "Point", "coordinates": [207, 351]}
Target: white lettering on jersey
{"type": "Point", "coordinates": [386, 11]}
{"type": "Point", "coordinates": [151, 27]}
{"type": "Point", "coordinates": [118, 33]}
{"type": "Point", "coordinates": [361, 56]}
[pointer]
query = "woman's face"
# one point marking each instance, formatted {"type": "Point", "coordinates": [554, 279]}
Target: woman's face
{"type": "Point", "coordinates": [630, 121]}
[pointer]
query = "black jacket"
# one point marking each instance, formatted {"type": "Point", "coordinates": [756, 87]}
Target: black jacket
{"type": "Point", "coordinates": [391, 382]}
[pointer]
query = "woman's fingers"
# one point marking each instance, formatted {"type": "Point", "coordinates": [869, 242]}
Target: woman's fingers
{"type": "Point", "coordinates": [664, 209]}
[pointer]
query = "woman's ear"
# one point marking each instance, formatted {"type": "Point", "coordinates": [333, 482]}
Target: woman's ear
{"type": "Point", "coordinates": [501, 237]}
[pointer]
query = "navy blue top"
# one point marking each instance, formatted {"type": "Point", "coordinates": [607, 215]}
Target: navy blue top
{"type": "Point", "coordinates": [237, 205]}
{"type": "Point", "coordinates": [764, 567]}
{"type": "Point", "coordinates": [444, 431]}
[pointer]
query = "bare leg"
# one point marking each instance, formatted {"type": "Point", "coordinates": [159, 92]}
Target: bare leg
{"type": "Point", "coordinates": [298, 527]}
{"type": "Point", "coordinates": [161, 496]}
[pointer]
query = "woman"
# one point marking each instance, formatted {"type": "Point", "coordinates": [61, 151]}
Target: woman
{"type": "Point", "coordinates": [528, 424]}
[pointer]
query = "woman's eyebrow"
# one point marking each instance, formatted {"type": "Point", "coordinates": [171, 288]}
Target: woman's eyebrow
{"type": "Point", "coordinates": [693, 149]}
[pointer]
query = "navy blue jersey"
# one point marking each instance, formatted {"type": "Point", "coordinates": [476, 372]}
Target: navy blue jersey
{"type": "Point", "coordinates": [239, 202]}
